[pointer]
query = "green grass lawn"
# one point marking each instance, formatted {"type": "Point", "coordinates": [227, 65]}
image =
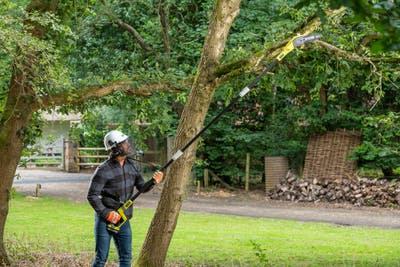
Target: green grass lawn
{"type": "Point", "coordinates": [45, 224]}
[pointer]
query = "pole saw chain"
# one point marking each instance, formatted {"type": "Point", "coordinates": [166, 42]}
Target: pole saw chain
{"type": "Point", "coordinates": [295, 42]}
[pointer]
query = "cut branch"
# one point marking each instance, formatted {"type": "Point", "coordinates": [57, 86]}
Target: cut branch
{"type": "Point", "coordinates": [355, 57]}
{"type": "Point", "coordinates": [342, 53]}
{"type": "Point", "coordinates": [253, 64]}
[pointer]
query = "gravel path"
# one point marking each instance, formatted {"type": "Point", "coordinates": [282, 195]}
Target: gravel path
{"type": "Point", "coordinates": [73, 186]}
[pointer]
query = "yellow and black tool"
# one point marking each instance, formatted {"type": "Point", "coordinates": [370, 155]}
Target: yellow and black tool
{"type": "Point", "coordinates": [121, 211]}
{"type": "Point", "coordinates": [295, 42]}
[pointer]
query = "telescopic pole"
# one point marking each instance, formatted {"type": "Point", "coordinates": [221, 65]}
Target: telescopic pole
{"type": "Point", "coordinates": [289, 47]}
{"type": "Point", "coordinates": [293, 43]}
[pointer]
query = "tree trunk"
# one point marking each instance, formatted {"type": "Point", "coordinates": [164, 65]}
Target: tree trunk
{"type": "Point", "coordinates": [161, 230]}
{"type": "Point", "coordinates": [14, 122]}
{"type": "Point", "coordinates": [13, 126]}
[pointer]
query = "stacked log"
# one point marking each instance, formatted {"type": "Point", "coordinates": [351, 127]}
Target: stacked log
{"type": "Point", "coordinates": [357, 191]}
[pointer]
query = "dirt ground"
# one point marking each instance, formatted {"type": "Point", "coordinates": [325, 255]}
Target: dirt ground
{"type": "Point", "coordinates": [56, 183]}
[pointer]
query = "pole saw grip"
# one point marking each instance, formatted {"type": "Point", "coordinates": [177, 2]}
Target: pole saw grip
{"type": "Point", "coordinates": [121, 211]}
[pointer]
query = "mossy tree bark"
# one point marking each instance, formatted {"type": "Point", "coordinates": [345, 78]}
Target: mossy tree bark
{"type": "Point", "coordinates": [159, 236]}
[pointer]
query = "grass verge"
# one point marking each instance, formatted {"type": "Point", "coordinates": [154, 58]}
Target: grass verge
{"type": "Point", "coordinates": [46, 226]}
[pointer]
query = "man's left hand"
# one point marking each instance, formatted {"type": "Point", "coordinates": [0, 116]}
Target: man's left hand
{"type": "Point", "coordinates": [158, 176]}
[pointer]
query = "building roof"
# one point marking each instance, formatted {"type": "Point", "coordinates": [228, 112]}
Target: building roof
{"type": "Point", "coordinates": [56, 116]}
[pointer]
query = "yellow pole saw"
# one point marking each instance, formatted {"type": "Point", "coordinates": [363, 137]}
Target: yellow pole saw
{"type": "Point", "coordinates": [289, 47]}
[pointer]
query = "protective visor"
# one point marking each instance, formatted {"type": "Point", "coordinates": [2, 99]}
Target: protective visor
{"type": "Point", "coordinates": [126, 147]}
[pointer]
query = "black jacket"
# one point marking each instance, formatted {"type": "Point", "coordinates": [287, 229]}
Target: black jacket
{"type": "Point", "coordinates": [112, 184]}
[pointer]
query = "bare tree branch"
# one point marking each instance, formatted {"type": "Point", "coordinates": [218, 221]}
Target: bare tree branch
{"type": "Point", "coordinates": [354, 56]}
{"type": "Point", "coordinates": [367, 39]}
{"type": "Point", "coordinates": [341, 53]}
{"type": "Point", "coordinates": [125, 26]}
{"type": "Point", "coordinates": [135, 33]}
{"type": "Point", "coordinates": [165, 26]}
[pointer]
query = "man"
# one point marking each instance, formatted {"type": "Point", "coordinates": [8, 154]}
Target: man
{"type": "Point", "coordinates": [111, 185]}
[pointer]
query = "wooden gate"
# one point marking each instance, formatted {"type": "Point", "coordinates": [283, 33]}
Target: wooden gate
{"type": "Point", "coordinates": [49, 156]}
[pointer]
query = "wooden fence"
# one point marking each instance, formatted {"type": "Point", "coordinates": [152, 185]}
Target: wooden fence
{"type": "Point", "coordinates": [327, 155]}
{"type": "Point", "coordinates": [77, 158]}
{"type": "Point", "coordinates": [61, 157]}
{"type": "Point", "coordinates": [91, 156]}
{"type": "Point", "coordinates": [50, 156]}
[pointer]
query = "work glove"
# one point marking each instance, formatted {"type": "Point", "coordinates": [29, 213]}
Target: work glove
{"type": "Point", "coordinates": [113, 217]}
{"type": "Point", "coordinates": [158, 176]}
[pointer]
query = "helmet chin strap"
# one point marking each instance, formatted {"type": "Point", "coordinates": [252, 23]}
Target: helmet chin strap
{"type": "Point", "coordinates": [118, 150]}
{"type": "Point", "coordinates": [115, 152]}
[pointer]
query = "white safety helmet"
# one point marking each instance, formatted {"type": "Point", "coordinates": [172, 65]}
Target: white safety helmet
{"type": "Point", "coordinates": [113, 138]}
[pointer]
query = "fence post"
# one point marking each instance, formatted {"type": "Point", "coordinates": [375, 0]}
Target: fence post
{"type": "Point", "coordinates": [206, 178]}
{"type": "Point", "coordinates": [37, 191]}
{"type": "Point", "coordinates": [198, 187]}
{"type": "Point", "coordinates": [63, 154]}
{"type": "Point", "coordinates": [247, 177]}
{"type": "Point", "coordinates": [71, 156]}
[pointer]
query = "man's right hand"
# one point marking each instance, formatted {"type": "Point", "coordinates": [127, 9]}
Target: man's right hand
{"type": "Point", "coordinates": [158, 176]}
{"type": "Point", "coordinates": [113, 217]}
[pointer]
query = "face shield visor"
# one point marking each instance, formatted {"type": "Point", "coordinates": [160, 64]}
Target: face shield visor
{"type": "Point", "coordinates": [126, 148]}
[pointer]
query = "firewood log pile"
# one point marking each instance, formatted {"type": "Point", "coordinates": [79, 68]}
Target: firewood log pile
{"type": "Point", "coordinates": [357, 191]}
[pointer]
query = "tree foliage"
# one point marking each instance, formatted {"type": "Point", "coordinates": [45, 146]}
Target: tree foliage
{"type": "Point", "coordinates": [151, 49]}
{"type": "Point", "coordinates": [382, 15]}
{"type": "Point", "coordinates": [380, 148]}
{"type": "Point", "coordinates": [94, 48]}
{"type": "Point", "coordinates": [335, 86]}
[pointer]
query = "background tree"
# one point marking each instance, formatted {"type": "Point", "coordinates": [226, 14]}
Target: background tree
{"type": "Point", "coordinates": [33, 85]}
{"type": "Point", "coordinates": [338, 86]}
{"type": "Point", "coordinates": [334, 72]}
{"type": "Point", "coordinates": [155, 248]}
{"type": "Point", "coordinates": [383, 15]}
{"type": "Point", "coordinates": [152, 50]}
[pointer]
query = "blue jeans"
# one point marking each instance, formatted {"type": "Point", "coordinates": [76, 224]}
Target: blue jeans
{"type": "Point", "coordinates": [122, 241]}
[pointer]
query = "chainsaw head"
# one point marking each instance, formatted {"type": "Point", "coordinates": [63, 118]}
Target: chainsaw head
{"type": "Point", "coordinates": [301, 40]}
